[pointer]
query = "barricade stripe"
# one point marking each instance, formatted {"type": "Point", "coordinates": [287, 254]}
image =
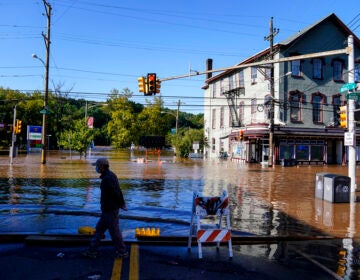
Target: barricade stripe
{"type": "Point", "coordinates": [216, 235]}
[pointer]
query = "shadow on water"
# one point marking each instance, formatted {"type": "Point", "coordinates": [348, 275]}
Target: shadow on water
{"type": "Point", "coordinates": [64, 194]}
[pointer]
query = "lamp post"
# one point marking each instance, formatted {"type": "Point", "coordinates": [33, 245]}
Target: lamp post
{"type": "Point", "coordinates": [92, 106]}
{"type": "Point", "coordinates": [45, 109]}
{"type": "Point", "coordinates": [176, 118]}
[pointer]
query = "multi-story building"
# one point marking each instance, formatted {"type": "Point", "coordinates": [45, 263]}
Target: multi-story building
{"type": "Point", "coordinates": [304, 94]}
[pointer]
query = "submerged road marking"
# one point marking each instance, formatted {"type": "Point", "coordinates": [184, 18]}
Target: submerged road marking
{"type": "Point", "coordinates": [116, 272]}
{"type": "Point", "coordinates": [134, 265]}
{"type": "Point", "coordinates": [134, 262]}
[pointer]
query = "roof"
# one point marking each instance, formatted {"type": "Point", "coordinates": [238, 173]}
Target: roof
{"type": "Point", "coordinates": [332, 17]}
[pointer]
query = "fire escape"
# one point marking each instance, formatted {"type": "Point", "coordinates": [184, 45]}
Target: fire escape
{"type": "Point", "coordinates": [232, 96]}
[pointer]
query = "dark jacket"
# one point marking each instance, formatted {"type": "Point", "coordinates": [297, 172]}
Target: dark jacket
{"type": "Point", "coordinates": [111, 194]}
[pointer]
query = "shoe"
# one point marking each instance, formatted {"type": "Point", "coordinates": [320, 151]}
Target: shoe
{"type": "Point", "coordinates": [89, 254]}
{"type": "Point", "coordinates": [122, 255]}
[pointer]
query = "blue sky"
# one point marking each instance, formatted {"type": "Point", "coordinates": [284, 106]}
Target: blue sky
{"type": "Point", "coordinates": [98, 46]}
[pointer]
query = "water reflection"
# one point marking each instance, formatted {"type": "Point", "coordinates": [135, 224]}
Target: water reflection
{"type": "Point", "coordinates": [64, 194]}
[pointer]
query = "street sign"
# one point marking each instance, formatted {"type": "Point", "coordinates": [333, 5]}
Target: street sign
{"type": "Point", "coordinates": [353, 96]}
{"type": "Point", "coordinates": [45, 111]}
{"type": "Point", "coordinates": [347, 87]}
{"type": "Point", "coordinates": [349, 139]}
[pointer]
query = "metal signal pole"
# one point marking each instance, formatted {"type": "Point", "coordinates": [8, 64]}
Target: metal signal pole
{"type": "Point", "coordinates": [351, 118]}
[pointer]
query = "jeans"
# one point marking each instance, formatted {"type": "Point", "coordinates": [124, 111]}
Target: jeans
{"type": "Point", "coordinates": [108, 221]}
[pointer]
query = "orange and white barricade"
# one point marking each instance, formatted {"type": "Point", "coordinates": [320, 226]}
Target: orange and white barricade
{"type": "Point", "coordinates": [216, 233]}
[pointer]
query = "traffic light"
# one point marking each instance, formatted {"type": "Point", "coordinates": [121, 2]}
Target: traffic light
{"type": "Point", "coordinates": [241, 135]}
{"type": "Point", "coordinates": [151, 82]}
{"type": "Point", "coordinates": [158, 86]}
{"type": "Point", "coordinates": [17, 129]}
{"type": "Point", "coordinates": [142, 84]}
{"type": "Point", "coordinates": [343, 116]}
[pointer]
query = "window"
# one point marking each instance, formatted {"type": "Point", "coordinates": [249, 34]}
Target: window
{"type": "Point", "coordinates": [225, 85]}
{"type": "Point", "coordinates": [336, 104]}
{"type": "Point", "coordinates": [213, 144]}
{"type": "Point", "coordinates": [357, 72]}
{"type": "Point", "coordinates": [221, 117]}
{"type": "Point", "coordinates": [302, 152]}
{"type": "Point", "coordinates": [338, 67]}
{"type": "Point", "coordinates": [268, 72]}
{"type": "Point", "coordinates": [232, 82]}
{"type": "Point", "coordinates": [213, 119]}
{"type": "Point", "coordinates": [230, 119]}
{"type": "Point", "coordinates": [253, 110]}
{"type": "Point", "coordinates": [214, 90]}
{"type": "Point", "coordinates": [241, 79]}
{"type": "Point", "coordinates": [295, 106]}
{"type": "Point", "coordinates": [317, 103]}
{"type": "Point", "coordinates": [317, 68]}
{"type": "Point", "coordinates": [241, 112]}
{"type": "Point", "coordinates": [317, 152]}
{"type": "Point", "coordinates": [253, 75]}
{"type": "Point", "coordinates": [267, 107]}
{"type": "Point", "coordinates": [296, 68]}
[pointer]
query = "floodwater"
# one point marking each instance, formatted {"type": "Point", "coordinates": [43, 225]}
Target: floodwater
{"type": "Point", "coordinates": [63, 194]}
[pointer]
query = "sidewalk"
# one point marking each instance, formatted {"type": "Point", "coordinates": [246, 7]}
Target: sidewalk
{"type": "Point", "coordinates": [27, 261]}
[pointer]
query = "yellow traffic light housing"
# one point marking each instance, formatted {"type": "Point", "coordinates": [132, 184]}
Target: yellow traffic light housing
{"type": "Point", "coordinates": [17, 128]}
{"type": "Point", "coordinates": [151, 82]}
{"type": "Point", "coordinates": [158, 86]}
{"type": "Point", "coordinates": [343, 117]}
{"type": "Point", "coordinates": [142, 84]}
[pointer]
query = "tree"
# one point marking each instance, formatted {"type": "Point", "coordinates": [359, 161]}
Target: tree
{"type": "Point", "coordinates": [183, 141]}
{"type": "Point", "coordinates": [78, 139]}
{"type": "Point", "coordinates": [150, 120]}
{"type": "Point", "coordinates": [122, 126]}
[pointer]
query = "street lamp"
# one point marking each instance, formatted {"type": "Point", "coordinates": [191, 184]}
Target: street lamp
{"type": "Point", "coordinates": [45, 110]}
{"type": "Point", "coordinates": [176, 117]}
{"type": "Point", "coordinates": [89, 107]}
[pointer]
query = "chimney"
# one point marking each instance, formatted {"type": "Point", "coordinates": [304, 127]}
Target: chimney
{"type": "Point", "coordinates": [209, 66]}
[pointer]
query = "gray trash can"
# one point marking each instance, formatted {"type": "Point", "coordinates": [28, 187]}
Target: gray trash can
{"type": "Point", "coordinates": [337, 188]}
{"type": "Point", "coordinates": [319, 184]}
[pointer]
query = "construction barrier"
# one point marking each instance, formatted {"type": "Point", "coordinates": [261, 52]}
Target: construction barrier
{"type": "Point", "coordinates": [216, 233]}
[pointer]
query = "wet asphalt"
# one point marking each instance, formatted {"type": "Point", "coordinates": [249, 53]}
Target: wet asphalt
{"type": "Point", "coordinates": [24, 260]}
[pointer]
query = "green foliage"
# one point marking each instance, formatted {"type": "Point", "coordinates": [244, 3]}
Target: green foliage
{"type": "Point", "coordinates": [150, 120]}
{"type": "Point", "coordinates": [184, 140]}
{"type": "Point", "coordinates": [78, 138]}
{"type": "Point", "coordinates": [119, 124]}
{"type": "Point", "coordinates": [122, 126]}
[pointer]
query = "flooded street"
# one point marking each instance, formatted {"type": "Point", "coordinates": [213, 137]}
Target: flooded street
{"type": "Point", "coordinates": [63, 195]}
{"type": "Point", "coordinates": [263, 201]}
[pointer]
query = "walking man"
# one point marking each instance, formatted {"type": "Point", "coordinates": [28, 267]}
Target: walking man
{"type": "Point", "coordinates": [111, 200]}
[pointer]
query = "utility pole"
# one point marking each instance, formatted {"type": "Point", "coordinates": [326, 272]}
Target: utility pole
{"type": "Point", "coordinates": [351, 117]}
{"type": "Point", "coordinates": [46, 93]}
{"type": "Point", "coordinates": [177, 116]}
{"type": "Point", "coordinates": [13, 138]}
{"type": "Point", "coordinates": [273, 32]}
